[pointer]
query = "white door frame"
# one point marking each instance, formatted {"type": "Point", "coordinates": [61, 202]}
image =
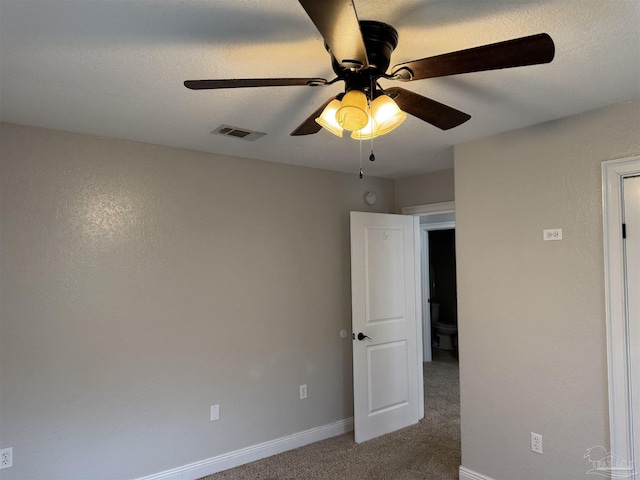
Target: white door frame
{"type": "Point", "coordinates": [430, 209]}
{"type": "Point", "coordinates": [426, 280]}
{"type": "Point", "coordinates": [423, 266]}
{"type": "Point", "coordinates": [618, 356]}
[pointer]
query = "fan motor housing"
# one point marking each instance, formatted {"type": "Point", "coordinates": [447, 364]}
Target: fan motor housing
{"type": "Point", "coordinates": [380, 40]}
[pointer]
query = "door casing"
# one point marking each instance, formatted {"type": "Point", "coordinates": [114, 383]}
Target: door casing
{"type": "Point", "coordinates": [422, 211]}
{"type": "Point", "coordinates": [621, 406]}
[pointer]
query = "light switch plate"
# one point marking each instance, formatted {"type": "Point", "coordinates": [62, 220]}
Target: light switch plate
{"type": "Point", "coordinates": [215, 412]}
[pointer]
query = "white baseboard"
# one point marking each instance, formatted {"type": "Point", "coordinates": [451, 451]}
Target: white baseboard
{"type": "Point", "coordinates": [225, 461]}
{"type": "Point", "coordinates": [466, 474]}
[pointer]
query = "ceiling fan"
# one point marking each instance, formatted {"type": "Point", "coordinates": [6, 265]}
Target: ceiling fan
{"type": "Point", "coordinates": [360, 55]}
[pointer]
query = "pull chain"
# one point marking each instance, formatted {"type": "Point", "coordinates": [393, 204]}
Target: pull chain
{"type": "Point", "coordinates": [371, 97]}
{"type": "Point", "coordinates": [360, 159]}
{"type": "Point", "coordinates": [372, 157]}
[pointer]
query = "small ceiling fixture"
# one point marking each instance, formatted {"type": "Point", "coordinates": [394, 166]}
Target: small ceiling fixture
{"type": "Point", "coordinates": [243, 133]}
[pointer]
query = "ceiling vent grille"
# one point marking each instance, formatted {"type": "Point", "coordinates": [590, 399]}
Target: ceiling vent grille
{"type": "Point", "coordinates": [242, 133]}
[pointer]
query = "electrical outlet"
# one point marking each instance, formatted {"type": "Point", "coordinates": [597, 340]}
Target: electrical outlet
{"type": "Point", "coordinates": [303, 391]}
{"type": "Point", "coordinates": [552, 234]}
{"type": "Point", "coordinates": [6, 458]}
{"type": "Point", "coordinates": [215, 412]}
{"type": "Point", "coordinates": [536, 443]}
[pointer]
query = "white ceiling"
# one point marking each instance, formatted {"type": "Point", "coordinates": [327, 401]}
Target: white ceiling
{"type": "Point", "coordinates": [115, 68]}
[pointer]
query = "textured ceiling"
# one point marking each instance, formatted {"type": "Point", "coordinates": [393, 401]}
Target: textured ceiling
{"type": "Point", "coordinates": [115, 68]}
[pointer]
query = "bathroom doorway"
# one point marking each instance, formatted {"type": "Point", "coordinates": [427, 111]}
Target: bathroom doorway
{"type": "Point", "coordinates": [439, 303]}
{"type": "Point", "coordinates": [441, 368]}
{"type": "Point", "coordinates": [443, 291]}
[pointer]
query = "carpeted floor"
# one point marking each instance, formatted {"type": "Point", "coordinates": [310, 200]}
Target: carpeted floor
{"type": "Point", "coordinates": [428, 450]}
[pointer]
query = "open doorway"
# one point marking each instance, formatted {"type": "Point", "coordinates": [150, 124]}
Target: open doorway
{"type": "Point", "coordinates": [438, 279]}
{"type": "Point", "coordinates": [440, 317]}
{"type": "Point", "coordinates": [441, 372]}
{"type": "Point", "coordinates": [442, 300]}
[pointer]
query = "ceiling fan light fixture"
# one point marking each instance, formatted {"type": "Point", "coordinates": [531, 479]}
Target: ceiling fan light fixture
{"type": "Point", "coordinates": [360, 52]}
{"type": "Point", "coordinates": [327, 118]}
{"type": "Point", "coordinates": [353, 112]}
{"type": "Point", "coordinates": [385, 116]}
{"type": "Point", "coordinates": [369, 131]}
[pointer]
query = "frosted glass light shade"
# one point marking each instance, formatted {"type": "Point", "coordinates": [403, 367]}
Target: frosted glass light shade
{"type": "Point", "coordinates": [385, 116]}
{"type": "Point", "coordinates": [352, 114]}
{"type": "Point", "coordinates": [327, 118]}
{"type": "Point", "coordinates": [369, 131]}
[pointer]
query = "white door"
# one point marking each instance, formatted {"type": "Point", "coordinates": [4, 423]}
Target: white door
{"type": "Point", "coordinates": [631, 212]}
{"type": "Point", "coordinates": [387, 357]}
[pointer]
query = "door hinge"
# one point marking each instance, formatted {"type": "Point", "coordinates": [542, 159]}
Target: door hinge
{"type": "Point", "coordinates": [624, 230]}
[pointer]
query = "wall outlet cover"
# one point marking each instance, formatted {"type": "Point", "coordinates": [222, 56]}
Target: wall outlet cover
{"type": "Point", "coordinates": [6, 458]}
{"type": "Point", "coordinates": [552, 234]}
{"type": "Point", "coordinates": [536, 443]}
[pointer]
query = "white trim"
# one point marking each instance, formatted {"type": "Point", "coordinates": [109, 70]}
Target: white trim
{"type": "Point", "coordinates": [613, 172]}
{"type": "Point", "coordinates": [421, 211]}
{"type": "Point", "coordinates": [419, 320]}
{"type": "Point", "coordinates": [466, 474]}
{"type": "Point", "coordinates": [425, 286]}
{"type": "Point", "coordinates": [438, 226]}
{"type": "Point", "coordinates": [443, 207]}
{"type": "Point", "coordinates": [424, 304]}
{"type": "Point", "coordinates": [253, 453]}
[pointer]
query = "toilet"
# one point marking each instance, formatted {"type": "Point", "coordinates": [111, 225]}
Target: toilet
{"type": "Point", "coordinates": [444, 331]}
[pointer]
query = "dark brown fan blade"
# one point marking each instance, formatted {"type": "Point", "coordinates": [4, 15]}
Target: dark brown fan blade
{"type": "Point", "coordinates": [518, 52]}
{"type": "Point", "coordinates": [435, 113]}
{"type": "Point", "coordinates": [337, 22]}
{"type": "Point", "coordinates": [310, 126]}
{"type": "Point", "coordinates": [252, 82]}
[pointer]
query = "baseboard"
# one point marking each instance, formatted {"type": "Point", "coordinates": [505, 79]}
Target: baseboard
{"type": "Point", "coordinates": [466, 474]}
{"type": "Point", "coordinates": [225, 461]}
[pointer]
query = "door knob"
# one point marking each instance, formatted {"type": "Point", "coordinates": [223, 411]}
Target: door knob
{"type": "Point", "coordinates": [362, 336]}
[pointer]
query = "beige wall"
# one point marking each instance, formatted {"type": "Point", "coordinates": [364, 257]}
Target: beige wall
{"type": "Point", "coordinates": [531, 313]}
{"type": "Point", "coordinates": [423, 189]}
{"type": "Point", "coordinates": [142, 284]}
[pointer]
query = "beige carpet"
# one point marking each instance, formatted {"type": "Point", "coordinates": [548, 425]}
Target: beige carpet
{"type": "Point", "coordinates": [429, 450]}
